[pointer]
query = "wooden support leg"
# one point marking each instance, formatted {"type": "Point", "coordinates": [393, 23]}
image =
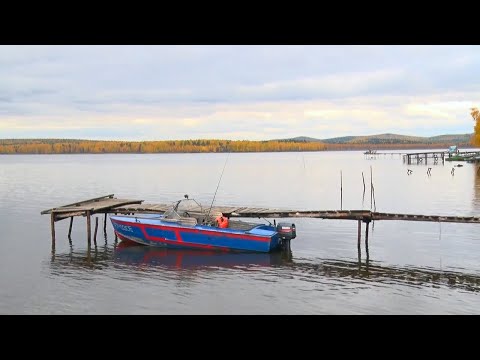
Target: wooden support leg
{"type": "Point", "coordinates": [95, 234]}
{"type": "Point", "coordinates": [366, 234]}
{"type": "Point", "coordinates": [70, 228]}
{"type": "Point", "coordinates": [105, 224]}
{"type": "Point", "coordinates": [359, 233]}
{"type": "Point", "coordinates": [89, 229]}
{"type": "Point", "coordinates": [52, 223]}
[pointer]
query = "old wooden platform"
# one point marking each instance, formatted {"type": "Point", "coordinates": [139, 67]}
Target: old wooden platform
{"type": "Point", "coordinates": [102, 204]}
{"type": "Point", "coordinates": [249, 212]}
{"type": "Point", "coordinates": [109, 204]}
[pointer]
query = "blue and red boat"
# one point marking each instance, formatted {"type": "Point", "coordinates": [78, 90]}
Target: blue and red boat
{"type": "Point", "coordinates": [187, 225]}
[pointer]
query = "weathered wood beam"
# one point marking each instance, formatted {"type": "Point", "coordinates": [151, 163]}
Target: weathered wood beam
{"type": "Point", "coordinates": [78, 203]}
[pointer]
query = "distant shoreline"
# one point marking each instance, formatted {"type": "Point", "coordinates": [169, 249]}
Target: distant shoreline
{"type": "Point", "coordinates": [68, 146]}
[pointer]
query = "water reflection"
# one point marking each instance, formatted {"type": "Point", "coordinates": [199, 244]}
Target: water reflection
{"type": "Point", "coordinates": [476, 188]}
{"type": "Point", "coordinates": [132, 254]}
{"type": "Point", "coordinates": [131, 257]}
{"type": "Point", "coordinates": [377, 274]}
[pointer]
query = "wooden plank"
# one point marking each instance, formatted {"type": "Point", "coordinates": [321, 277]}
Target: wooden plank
{"type": "Point", "coordinates": [62, 216]}
{"type": "Point", "coordinates": [78, 203]}
{"type": "Point", "coordinates": [99, 207]}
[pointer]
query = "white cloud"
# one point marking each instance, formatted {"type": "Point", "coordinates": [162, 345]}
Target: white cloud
{"type": "Point", "coordinates": [238, 92]}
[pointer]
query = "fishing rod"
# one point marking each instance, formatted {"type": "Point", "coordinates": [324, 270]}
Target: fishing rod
{"type": "Point", "coordinates": [218, 184]}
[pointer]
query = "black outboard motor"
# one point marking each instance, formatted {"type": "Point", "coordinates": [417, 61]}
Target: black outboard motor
{"type": "Point", "coordinates": [286, 231]}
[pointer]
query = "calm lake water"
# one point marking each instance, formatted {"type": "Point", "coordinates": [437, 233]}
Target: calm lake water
{"type": "Point", "coordinates": [412, 267]}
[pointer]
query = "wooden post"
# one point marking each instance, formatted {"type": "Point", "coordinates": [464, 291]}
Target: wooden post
{"type": "Point", "coordinates": [359, 249]}
{"type": "Point", "coordinates": [363, 178]}
{"type": "Point", "coordinates": [371, 187]}
{"type": "Point", "coordinates": [426, 158]}
{"type": "Point", "coordinates": [366, 245]}
{"type": "Point", "coordinates": [359, 233]}
{"type": "Point", "coordinates": [70, 227]}
{"type": "Point", "coordinates": [89, 229]}
{"type": "Point", "coordinates": [366, 233]}
{"type": "Point", "coordinates": [105, 224]}
{"type": "Point", "coordinates": [52, 223]}
{"type": "Point", "coordinates": [95, 234]}
{"type": "Point", "coordinates": [341, 191]}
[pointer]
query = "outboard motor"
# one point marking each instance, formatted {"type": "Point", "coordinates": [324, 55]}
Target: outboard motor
{"type": "Point", "coordinates": [286, 231]}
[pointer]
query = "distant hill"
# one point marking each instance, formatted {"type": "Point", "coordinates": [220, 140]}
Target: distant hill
{"type": "Point", "coordinates": [387, 139]}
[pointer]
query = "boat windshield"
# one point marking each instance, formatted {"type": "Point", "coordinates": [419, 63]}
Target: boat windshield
{"type": "Point", "coordinates": [181, 207]}
{"type": "Point", "coordinates": [188, 205]}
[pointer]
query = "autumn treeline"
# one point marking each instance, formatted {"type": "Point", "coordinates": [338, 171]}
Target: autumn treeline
{"type": "Point", "coordinates": [173, 146]}
{"type": "Point", "coordinates": [476, 117]}
{"type": "Point", "coordinates": [62, 146]}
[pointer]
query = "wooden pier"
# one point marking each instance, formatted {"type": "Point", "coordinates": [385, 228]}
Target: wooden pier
{"type": "Point", "coordinates": [109, 204]}
{"type": "Point", "coordinates": [375, 154]}
{"type": "Point", "coordinates": [436, 156]}
{"type": "Point", "coordinates": [103, 205]}
{"type": "Point", "coordinates": [422, 158]}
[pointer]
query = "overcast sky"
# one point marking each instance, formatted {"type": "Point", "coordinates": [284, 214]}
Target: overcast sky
{"type": "Point", "coordinates": [236, 92]}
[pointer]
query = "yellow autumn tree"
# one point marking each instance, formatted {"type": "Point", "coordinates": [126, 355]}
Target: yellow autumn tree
{"type": "Point", "coordinates": [476, 135]}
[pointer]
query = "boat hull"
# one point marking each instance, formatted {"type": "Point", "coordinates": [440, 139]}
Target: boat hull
{"type": "Point", "coordinates": [264, 239]}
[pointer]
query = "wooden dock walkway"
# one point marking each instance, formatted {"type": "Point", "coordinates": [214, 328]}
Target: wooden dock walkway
{"type": "Point", "coordinates": [248, 212]}
{"type": "Point", "coordinates": [436, 156]}
{"type": "Point", "coordinates": [110, 205]}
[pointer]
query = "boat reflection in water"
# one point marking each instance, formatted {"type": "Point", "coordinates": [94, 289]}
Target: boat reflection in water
{"type": "Point", "coordinates": [130, 253]}
{"type": "Point", "coordinates": [138, 260]}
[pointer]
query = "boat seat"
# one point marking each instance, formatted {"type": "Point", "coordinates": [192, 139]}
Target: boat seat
{"type": "Point", "coordinates": [183, 221]}
{"type": "Point", "coordinates": [188, 221]}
